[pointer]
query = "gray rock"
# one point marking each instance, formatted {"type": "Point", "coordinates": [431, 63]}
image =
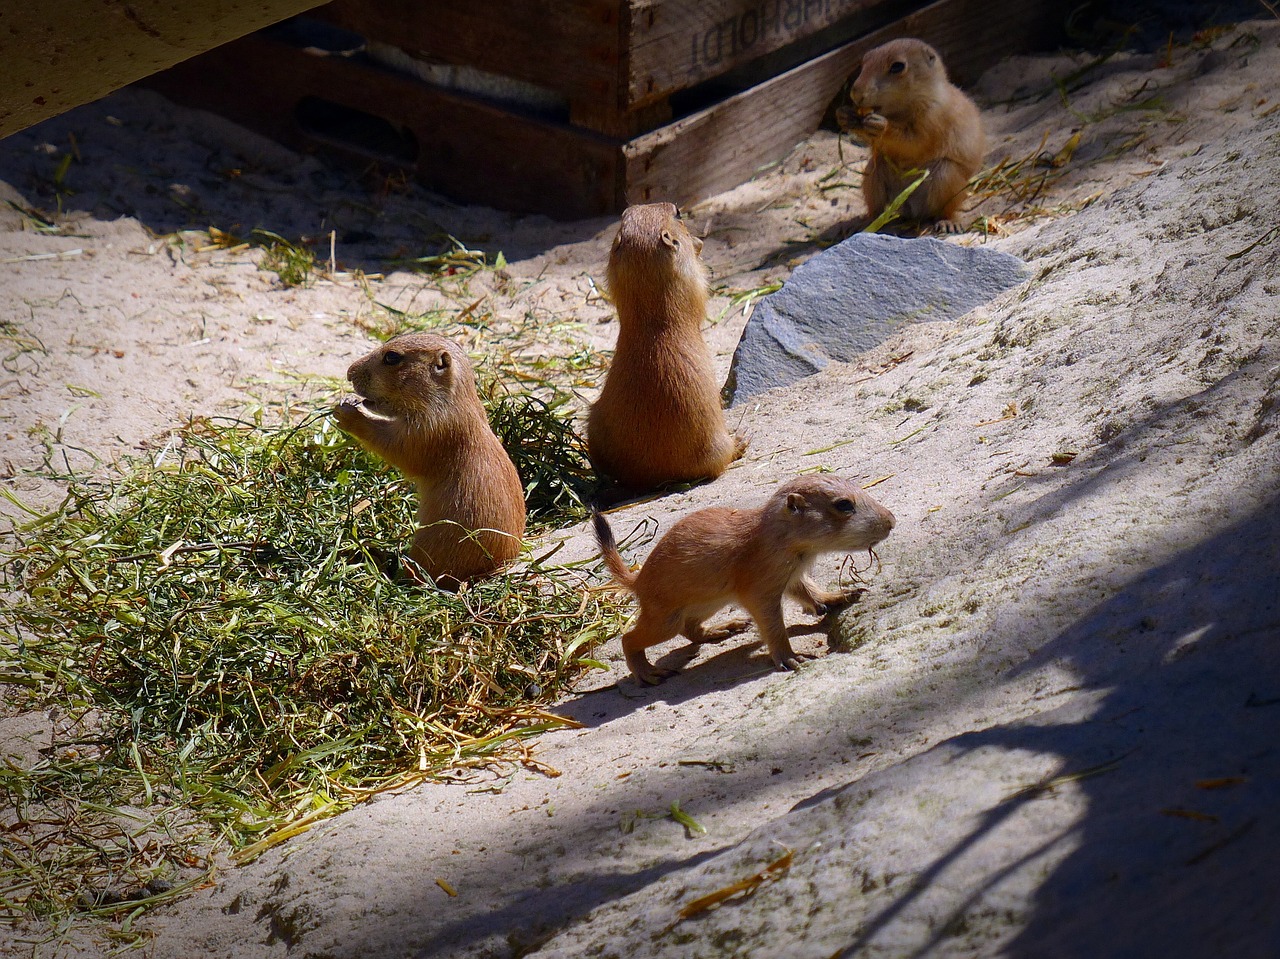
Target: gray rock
{"type": "Point", "coordinates": [854, 296]}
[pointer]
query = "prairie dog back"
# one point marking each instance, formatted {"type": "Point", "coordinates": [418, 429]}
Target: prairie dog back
{"type": "Point", "coordinates": [658, 418]}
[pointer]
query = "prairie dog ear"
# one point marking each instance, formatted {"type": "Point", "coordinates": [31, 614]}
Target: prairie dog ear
{"type": "Point", "coordinates": [697, 245]}
{"type": "Point", "coordinates": [795, 503]}
{"type": "Point", "coordinates": [668, 239]}
{"type": "Point", "coordinates": [443, 361]}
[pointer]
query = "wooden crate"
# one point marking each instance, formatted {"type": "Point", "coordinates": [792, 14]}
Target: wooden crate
{"type": "Point", "coordinates": [618, 62]}
{"type": "Point", "coordinates": [645, 99]}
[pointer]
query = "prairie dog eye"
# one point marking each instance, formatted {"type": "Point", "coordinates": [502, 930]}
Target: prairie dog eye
{"type": "Point", "coordinates": [392, 358]}
{"type": "Point", "coordinates": [845, 506]}
{"type": "Point", "coordinates": [897, 66]}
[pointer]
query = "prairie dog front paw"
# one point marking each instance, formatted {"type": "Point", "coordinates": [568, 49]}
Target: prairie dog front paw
{"type": "Point", "coordinates": [873, 125]}
{"type": "Point", "coordinates": [348, 408]}
{"type": "Point", "coordinates": [867, 127]}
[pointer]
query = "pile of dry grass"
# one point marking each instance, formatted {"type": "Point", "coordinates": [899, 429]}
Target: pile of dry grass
{"type": "Point", "coordinates": [220, 626]}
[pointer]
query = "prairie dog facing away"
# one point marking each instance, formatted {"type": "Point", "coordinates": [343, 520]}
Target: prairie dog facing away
{"type": "Point", "coordinates": [913, 118]}
{"type": "Point", "coordinates": [658, 418]}
{"type": "Point", "coordinates": [753, 557]}
{"type": "Point", "coordinates": [418, 409]}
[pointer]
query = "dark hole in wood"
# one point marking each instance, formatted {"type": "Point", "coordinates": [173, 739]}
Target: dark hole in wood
{"type": "Point", "coordinates": [356, 130]}
{"type": "Point", "coordinates": [316, 37]}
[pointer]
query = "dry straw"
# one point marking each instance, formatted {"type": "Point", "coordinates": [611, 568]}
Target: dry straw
{"type": "Point", "coordinates": [222, 634]}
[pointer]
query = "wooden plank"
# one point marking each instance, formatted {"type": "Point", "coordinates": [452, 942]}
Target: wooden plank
{"type": "Point", "coordinates": [617, 54]}
{"type": "Point", "coordinates": [613, 122]}
{"type": "Point", "coordinates": [464, 147]}
{"type": "Point", "coordinates": [58, 54]}
{"type": "Point", "coordinates": [728, 143]}
{"type": "Point", "coordinates": [570, 46]}
{"type": "Point", "coordinates": [674, 44]}
{"type": "Point", "coordinates": [478, 151]}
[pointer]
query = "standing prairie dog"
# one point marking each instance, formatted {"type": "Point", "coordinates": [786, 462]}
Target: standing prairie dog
{"type": "Point", "coordinates": [658, 418]}
{"type": "Point", "coordinates": [914, 119]}
{"type": "Point", "coordinates": [418, 409]}
{"type": "Point", "coordinates": [753, 557]}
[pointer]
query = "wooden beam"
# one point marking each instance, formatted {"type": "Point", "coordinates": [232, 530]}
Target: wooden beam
{"type": "Point", "coordinates": [58, 54]}
{"type": "Point", "coordinates": [570, 46]}
{"type": "Point", "coordinates": [465, 147]}
{"type": "Point", "coordinates": [479, 151]}
{"type": "Point", "coordinates": [675, 44]}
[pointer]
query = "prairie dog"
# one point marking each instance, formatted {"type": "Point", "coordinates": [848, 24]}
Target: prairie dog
{"type": "Point", "coordinates": [658, 418]}
{"type": "Point", "coordinates": [749, 556]}
{"type": "Point", "coordinates": [913, 118]}
{"type": "Point", "coordinates": [418, 409]}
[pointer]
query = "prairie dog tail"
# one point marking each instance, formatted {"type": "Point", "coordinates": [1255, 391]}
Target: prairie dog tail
{"type": "Point", "coordinates": [618, 568]}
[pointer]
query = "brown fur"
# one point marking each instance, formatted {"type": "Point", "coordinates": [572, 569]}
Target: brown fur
{"type": "Point", "coordinates": [914, 119]}
{"type": "Point", "coordinates": [749, 556]}
{"type": "Point", "coordinates": [658, 418]}
{"type": "Point", "coordinates": [418, 409]}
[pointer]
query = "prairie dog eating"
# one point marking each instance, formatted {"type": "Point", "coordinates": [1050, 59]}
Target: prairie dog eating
{"type": "Point", "coordinates": [913, 118]}
{"type": "Point", "coordinates": [418, 409]}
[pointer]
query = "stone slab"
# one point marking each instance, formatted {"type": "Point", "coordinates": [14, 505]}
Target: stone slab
{"type": "Point", "coordinates": [854, 296]}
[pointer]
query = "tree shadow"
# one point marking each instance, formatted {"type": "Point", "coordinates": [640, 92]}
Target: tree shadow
{"type": "Point", "coordinates": [1124, 450]}
{"type": "Point", "coordinates": [527, 919]}
{"type": "Point", "coordinates": [1178, 853]}
{"type": "Point", "coordinates": [1193, 624]}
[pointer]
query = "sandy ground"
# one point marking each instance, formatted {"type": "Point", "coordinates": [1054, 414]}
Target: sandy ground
{"type": "Point", "coordinates": [1101, 624]}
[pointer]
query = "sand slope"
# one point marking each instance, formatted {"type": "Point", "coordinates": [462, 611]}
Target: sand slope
{"type": "Point", "coordinates": [1052, 727]}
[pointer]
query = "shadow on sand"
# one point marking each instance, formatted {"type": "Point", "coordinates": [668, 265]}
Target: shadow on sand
{"type": "Point", "coordinates": [1179, 850]}
{"type": "Point", "coordinates": [135, 154]}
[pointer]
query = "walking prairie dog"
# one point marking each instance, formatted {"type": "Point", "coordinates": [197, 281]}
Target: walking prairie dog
{"type": "Point", "coordinates": [418, 409]}
{"type": "Point", "coordinates": [749, 556]}
{"type": "Point", "coordinates": [914, 119]}
{"type": "Point", "coordinates": [658, 418]}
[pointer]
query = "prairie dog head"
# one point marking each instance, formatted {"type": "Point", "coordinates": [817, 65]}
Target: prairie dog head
{"type": "Point", "coordinates": [827, 514]}
{"type": "Point", "coordinates": [895, 76]}
{"type": "Point", "coordinates": [417, 376]}
{"type": "Point", "coordinates": [653, 246]}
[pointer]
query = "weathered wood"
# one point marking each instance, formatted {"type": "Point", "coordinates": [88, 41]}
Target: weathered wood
{"type": "Point", "coordinates": [613, 122]}
{"type": "Point", "coordinates": [478, 150]}
{"type": "Point", "coordinates": [570, 46]}
{"type": "Point", "coordinates": [464, 147]}
{"type": "Point", "coordinates": [621, 54]}
{"type": "Point", "coordinates": [58, 54]}
{"type": "Point", "coordinates": [726, 144]}
{"type": "Point", "coordinates": [674, 44]}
